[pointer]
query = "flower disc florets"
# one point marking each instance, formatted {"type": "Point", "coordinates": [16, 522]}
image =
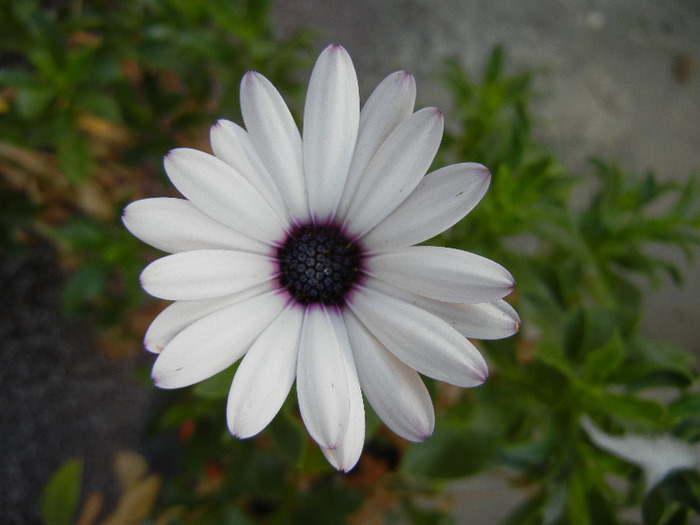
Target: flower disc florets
{"type": "Point", "coordinates": [318, 264]}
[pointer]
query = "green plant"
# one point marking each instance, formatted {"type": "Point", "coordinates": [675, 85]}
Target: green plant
{"type": "Point", "coordinates": [580, 279]}
{"type": "Point", "coordinates": [581, 274]}
{"type": "Point", "coordinates": [93, 94]}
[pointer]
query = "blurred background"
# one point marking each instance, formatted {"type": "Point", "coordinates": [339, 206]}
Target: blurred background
{"type": "Point", "coordinates": [94, 93]}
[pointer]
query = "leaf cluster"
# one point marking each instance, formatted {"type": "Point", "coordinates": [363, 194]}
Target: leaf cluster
{"type": "Point", "coordinates": [584, 249]}
{"type": "Point", "coordinates": [93, 94]}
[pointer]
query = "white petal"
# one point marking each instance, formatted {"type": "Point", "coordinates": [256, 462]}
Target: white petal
{"type": "Point", "coordinates": [395, 391]}
{"type": "Point", "coordinates": [322, 379]}
{"type": "Point", "coordinates": [181, 314]}
{"type": "Point", "coordinates": [231, 143]}
{"type": "Point", "coordinates": [657, 455]}
{"type": "Point", "coordinates": [444, 274]}
{"type": "Point", "coordinates": [395, 170]}
{"type": "Point", "coordinates": [348, 453]}
{"type": "Point", "coordinates": [215, 342]}
{"type": "Point", "coordinates": [222, 193]}
{"type": "Point", "coordinates": [176, 225]}
{"type": "Point", "coordinates": [203, 274]}
{"type": "Point", "coordinates": [265, 376]}
{"type": "Point", "coordinates": [442, 198]}
{"type": "Point", "coordinates": [423, 341]}
{"type": "Point", "coordinates": [272, 129]}
{"type": "Point", "coordinates": [389, 104]}
{"type": "Point", "coordinates": [331, 119]}
{"type": "Point", "coordinates": [494, 320]}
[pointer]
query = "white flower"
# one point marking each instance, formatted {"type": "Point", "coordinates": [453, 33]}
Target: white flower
{"type": "Point", "coordinates": [658, 456]}
{"type": "Point", "coordinates": [296, 254]}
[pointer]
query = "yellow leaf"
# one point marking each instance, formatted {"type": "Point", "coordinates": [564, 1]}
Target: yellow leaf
{"type": "Point", "coordinates": [130, 468]}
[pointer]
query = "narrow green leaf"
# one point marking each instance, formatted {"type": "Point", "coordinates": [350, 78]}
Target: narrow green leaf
{"type": "Point", "coordinates": [646, 411]}
{"type": "Point", "coordinates": [687, 406]}
{"type": "Point", "coordinates": [601, 362]}
{"type": "Point", "coordinates": [494, 66]}
{"type": "Point", "coordinates": [577, 503]}
{"type": "Point", "coordinates": [62, 494]}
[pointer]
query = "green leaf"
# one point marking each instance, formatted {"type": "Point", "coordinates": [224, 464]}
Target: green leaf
{"type": "Point", "coordinates": [653, 508]}
{"type": "Point", "coordinates": [453, 451]}
{"type": "Point", "coordinates": [656, 363]}
{"type": "Point", "coordinates": [602, 512]}
{"type": "Point", "coordinates": [683, 486]}
{"type": "Point", "coordinates": [62, 494]}
{"type": "Point", "coordinates": [324, 503]}
{"type": "Point", "coordinates": [216, 387]}
{"type": "Point", "coordinates": [494, 66]}
{"type": "Point", "coordinates": [601, 362]}
{"type": "Point", "coordinates": [687, 406]}
{"type": "Point", "coordinates": [31, 100]}
{"type": "Point", "coordinates": [75, 157]}
{"type": "Point", "coordinates": [101, 105]}
{"type": "Point", "coordinates": [645, 411]}
{"type": "Point", "coordinates": [577, 503]}
{"type": "Point", "coordinates": [289, 437]}
{"type": "Point", "coordinates": [84, 286]}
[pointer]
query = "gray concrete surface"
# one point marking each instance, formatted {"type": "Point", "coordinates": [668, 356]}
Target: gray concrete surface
{"type": "Point", "coordinates": [607, 86]}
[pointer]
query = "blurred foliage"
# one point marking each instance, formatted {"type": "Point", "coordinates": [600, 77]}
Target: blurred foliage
{"type": "Point", "coordinates": [62, 494]}
{"type": "Point", "coordinates": [583, 251]}
{"type": "Point", "coordinates": [139, 491]}
{"type": "Point", "coordinates": [93, 94]}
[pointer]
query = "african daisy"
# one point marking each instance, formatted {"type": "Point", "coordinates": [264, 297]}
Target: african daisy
{"type": "Point", "coordinates": [295, 252]}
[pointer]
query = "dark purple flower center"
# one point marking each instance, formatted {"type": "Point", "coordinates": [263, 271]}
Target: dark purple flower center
{"type": "Point", "coordinates": [319, 264]}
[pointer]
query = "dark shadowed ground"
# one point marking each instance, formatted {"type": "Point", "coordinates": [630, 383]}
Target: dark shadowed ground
{"type": "Point", "coordinates": [59, 396]}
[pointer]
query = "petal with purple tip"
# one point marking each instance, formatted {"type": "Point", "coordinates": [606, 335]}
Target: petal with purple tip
{"type": "Point", "coordinates": [331, 118]}
{"type": "Point", "coordinates": [222, 193]}
{"type": "Point", "coordinates": [232, 144]}
{"type": "Point", "coordinates": [389, 104]}
{"type": "Point", "coordinates": [322, 379]}
{"type": "Point", "coordinates": [442, 198]}
{"type": "Point", "coordinates": [202, 274]}
{"type": "Point", "coordinates": [215, 342]}
{"type": "Point", "coordinates": [395, 391]}
{"type": "Point", "coordinates": [421, 340]}
{"type": "Point", "coordinates": [180, 314]}
{"type": "Point", "coordinates": [346, 455]}
{"type": "Point", "coordinates": [252, 402]}
{"type": "Point", "coordinates": [395, 170]}
{"type": "Point", "coordinates": [272, 129]}
{"type": "Point", "coordinates": [441, 273]}
{"type": "Point", "coordinates": [176, 225]}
